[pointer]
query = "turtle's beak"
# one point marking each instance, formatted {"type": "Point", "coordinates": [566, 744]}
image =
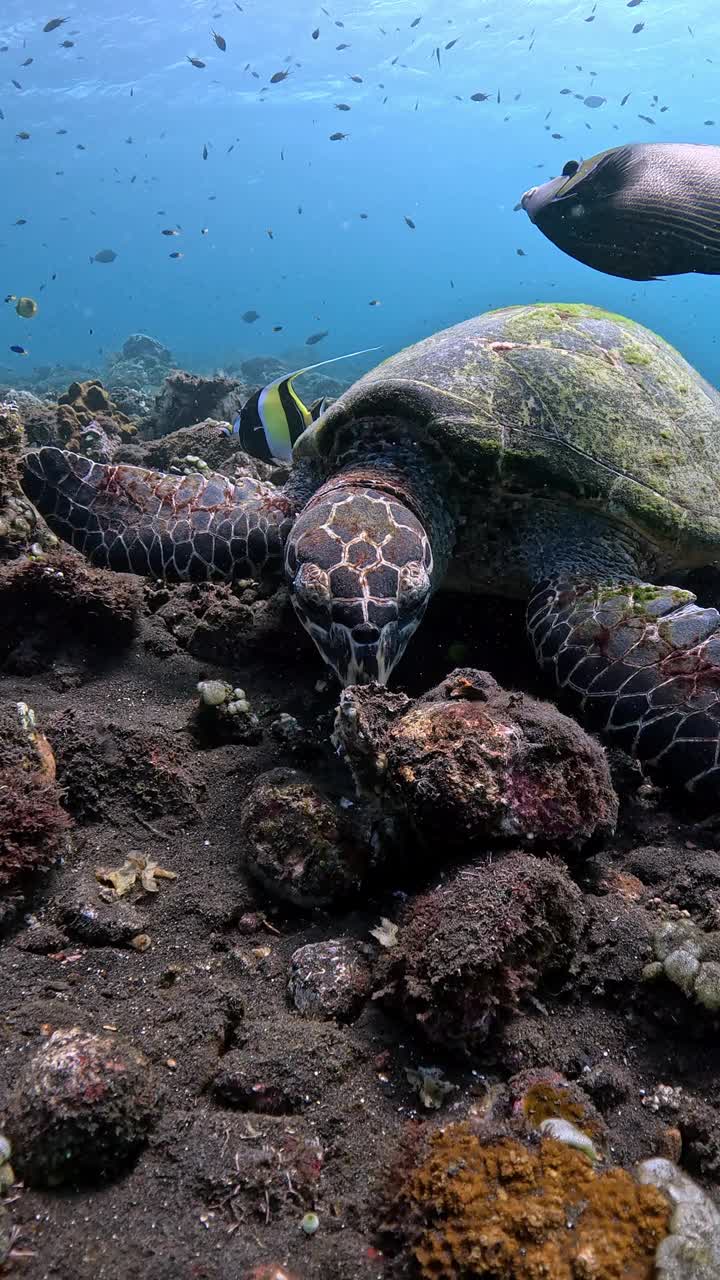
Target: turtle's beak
{"type": "Point", "coordinates": [359, 567]}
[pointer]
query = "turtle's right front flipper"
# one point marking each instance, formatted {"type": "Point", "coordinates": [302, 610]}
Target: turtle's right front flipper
{"type": "Point", "coordinates": [177, 527]}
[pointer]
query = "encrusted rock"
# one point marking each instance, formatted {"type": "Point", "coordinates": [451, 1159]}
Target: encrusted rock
{"type": "Point", "coordinates": [187, 398]}
{"type": "Point", "coordinates": [82, 1108]}
{"type": "Point", "coordinates": [90, 609]}
{"type": "Point", "coordinates": [33, 823]}
{"type": "Point", "coordinates": [301, 845]}
{"type": "Point", "coordinates": [468, 952]}
{"type": "Point", "coordinates": [469, 763]}
{"type": "Point", "coordinates": [224, 714]}
{"type": "Point", "coordinates": [330, 979]}
{"type": "Point", "coordinates": [284, 1067]}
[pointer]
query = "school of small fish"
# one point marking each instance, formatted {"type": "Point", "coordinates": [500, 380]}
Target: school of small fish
{"type": "Point", "coordinates": [419, 46]}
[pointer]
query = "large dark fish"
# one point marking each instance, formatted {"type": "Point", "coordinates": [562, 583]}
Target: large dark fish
{"type": "Point", "coordinates": [640, 211]}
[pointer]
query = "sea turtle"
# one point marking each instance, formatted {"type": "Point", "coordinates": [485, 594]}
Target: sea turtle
{"type": "Point", "coordinates": [555, 452]}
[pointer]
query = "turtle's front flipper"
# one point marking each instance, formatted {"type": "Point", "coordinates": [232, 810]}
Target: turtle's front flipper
{"type": "Point", "coordinates": [643, 662]}
{"type": "Point", "coordinates": [139, 521]}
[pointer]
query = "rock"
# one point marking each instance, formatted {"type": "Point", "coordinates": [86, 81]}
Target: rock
{"type": "Point", "coordinates": [608, 1083]}
{"type": "Point", "coordinates": [187, 398]}
{"type": "Point", "coordinates": [300, 845]}
{"type": "Point", "coordinates": [283, 1068]}
{"type": "Point", "coordinates": [139, 346]}
{"type": "Point", "coordinates": [88, 404]}
{"type": "Point", "coordinates": [223, 622]}
{"type": "Point", "coordinates": [40, 939]}
{"type": "Point", "coordinates": [543, 1095]}
{"type": "Point", "coordinates": [330, 979]}
{"type": "Point", "coordinates": [99, 924]}
{"type": "Point", "coordinates": [209, 441]}
{"type": "Point", "coordinates": [33, 823]}
{"type": "Point", "coordinates": [107, 767]}
{"type": "Point", "coordinates": [82, 1108]}
{"type": "Point", "coordinates": [60, 602]}
{"type": "Point", "coordinates": [20, 525]}
{"type": "Point", "coordinates": [468, 763]}
{"type": "Point", "coordinates": [224, 715]}
{"type": "Point", "coordinates": [468, 951]}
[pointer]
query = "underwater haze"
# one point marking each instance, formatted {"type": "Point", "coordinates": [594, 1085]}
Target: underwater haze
{"type": "Point", "coordinates": [119, 121]}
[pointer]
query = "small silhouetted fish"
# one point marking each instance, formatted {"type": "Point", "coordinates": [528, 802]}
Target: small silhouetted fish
{"type": "Point", "coordinates": [19, 351]}
{"type": "Point", "coordinates": [637, 28]}
{"type": "Point", "coordinates": [342, 46]}
{"type": "Point", "coordinates": [203, 231]}
{"type": "Point", "coordinates": [277, 328]}
{"type": "Point", "coordinates": [557, 136]}
{"type": "Point", "coordinates": [704, 122]}
{"type": "Point", "coordinates": [341, 106]}
{"type": "Point", "coordinates": [416, 22]}
{"type": "Point", "coordinates": [20, 222]}
{"type": "Point", "coordinates": [633, 4]}
{"type": "Point", "coordinates": [315, 33]}
{"type": "Point", "coordinates": [23, 135]}
{"type": "Point", "coordinates": [195, 62]}
{"type": "Point", "coordinates": [316, 337]}
{"type": "Point", "coordinates": [374, 302]}
{"type": "Point", "coordinates": [16, 83]}
{"type": "Point", "coordinates": [357, 79]}
{"type": "Point", "coordinates": [176, 254]}
{"type": "Point", "coordinates": [363, 215]}
{"type": "Point", "coordinates": [279, 75]}
{"type": "Point", "coordinates": [169, 231]}
{"type": "Point", "coordinates": [205, 151]}
{"type": "Point", "coordinates": [450, 43]}
{"type": "Point", "coordinates": [70, 44]}
{"type": "Point", "coordinates": [2, 116]}
{"type": "Point", "coordinates": [479, 97]}
{"type": "Point", "coordinates": [80, 147]}
{"type": "Point", "coordinates": [638, 211]}
{"type": "Point", "coordinates": [625, 99]}
{"type": "Point", "coordinates": [647, 119]}
{"type": "Point", "coordinates": [27, 62]}
{"type": "Point", "coordinates": [566, 90]}
{"type": "Point", "coordinates": [250, 316]}
{"type": "Point", "coordinates": [269, 234]}
{"type": "Point", "coordinates": [338, 137]}
{"type": "Point", "coordinates": [105, 255]}
{"type": "Point", "coordinates": [521, 253]}
{"type": "Point", "coordinates": [594, 101]}
{"type": "Point", "coordinates": [220, 41]}
{"type": "Point", "coordinates": [53, 24]}
{"type": "Point", "coordinates": [60, 132]}
{"type": "Point", "coordinates": [410, 223]}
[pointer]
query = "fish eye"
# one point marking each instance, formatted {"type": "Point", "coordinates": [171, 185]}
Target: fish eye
{"type": "Point", "coordinates": [570, 169]}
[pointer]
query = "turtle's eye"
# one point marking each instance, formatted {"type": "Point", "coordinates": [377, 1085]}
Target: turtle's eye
{"type": "Point", "coordinates": [312, 586]}
{"type": "Point", "coordinates": [570, 169]}
{"type": "Point", "coordinates": [414, 583]}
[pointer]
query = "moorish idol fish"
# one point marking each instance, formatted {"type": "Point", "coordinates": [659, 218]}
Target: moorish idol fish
{"type": "Point", "coordinates": [274, 417]}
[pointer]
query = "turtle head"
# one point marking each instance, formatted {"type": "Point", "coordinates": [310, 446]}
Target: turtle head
{"type": "Point", "coordinates": [360, 569]}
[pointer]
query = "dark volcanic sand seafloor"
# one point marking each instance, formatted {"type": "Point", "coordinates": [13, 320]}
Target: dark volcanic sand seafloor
{"type": "Point", "coordinates": [315, 1110]}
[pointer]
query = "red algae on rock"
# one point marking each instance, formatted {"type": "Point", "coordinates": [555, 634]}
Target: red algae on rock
{"type": "Point", "coordinates": [470, 763]}
{"type": "Point", "coordinates": [468, 952]}
{"type": "Point", "coordinates": [467, 1209]}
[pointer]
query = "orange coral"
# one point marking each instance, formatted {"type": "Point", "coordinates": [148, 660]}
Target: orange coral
{"type": "Point", "coordinates": [508, 1211]}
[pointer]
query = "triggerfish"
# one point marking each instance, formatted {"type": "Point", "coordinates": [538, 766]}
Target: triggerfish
{"type": "Point", "coordinates": [640, 211]}
{"type": "Point", "coordinates": [274, 417]}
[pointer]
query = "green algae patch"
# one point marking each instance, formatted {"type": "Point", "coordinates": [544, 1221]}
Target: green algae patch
{"type": "Point", "coordinates": [636, 355]}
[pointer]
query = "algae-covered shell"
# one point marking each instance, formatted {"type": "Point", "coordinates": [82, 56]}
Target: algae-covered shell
{"type": "Point", "coordinates": [560, 401]}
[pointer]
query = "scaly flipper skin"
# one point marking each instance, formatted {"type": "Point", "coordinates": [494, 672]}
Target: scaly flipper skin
{"type": "Point", "coordinates": [643, 663]}
{"type": "Point", "coordinates": [175, 527]}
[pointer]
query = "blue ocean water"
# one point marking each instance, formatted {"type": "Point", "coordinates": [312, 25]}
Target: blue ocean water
{"type": "Point", "coordinates": [138, 115]}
